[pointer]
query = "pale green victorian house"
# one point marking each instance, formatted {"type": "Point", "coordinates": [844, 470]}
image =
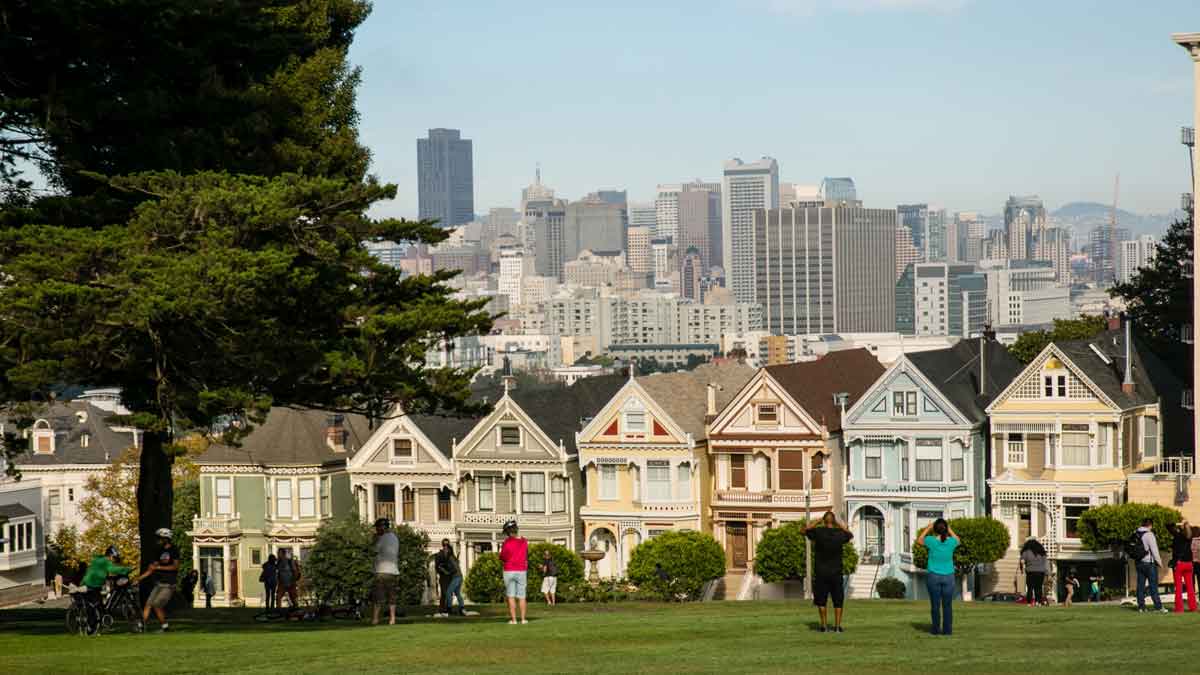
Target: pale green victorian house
{"type": "Point", "coordinates": [270, 494]}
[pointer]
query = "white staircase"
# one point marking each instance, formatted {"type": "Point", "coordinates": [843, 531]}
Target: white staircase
{"type": "Point", "coordinates": [862, 582]}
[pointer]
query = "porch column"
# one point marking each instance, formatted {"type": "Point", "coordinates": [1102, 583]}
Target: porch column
{"type": "Point", "coordinates": [225, 571]}
{"type": "Point", "coordinates": [196, 565]}
{"type": "Point", "coordinates": [397, 503]}
{"type": "Point", "coordinates": [371, 502]}
{"type": "Point", "coordinates": [547, 492]}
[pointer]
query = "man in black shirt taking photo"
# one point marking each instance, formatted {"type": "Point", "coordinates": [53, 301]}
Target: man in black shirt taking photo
{"type": "Point", "coordinates": [827, 537]}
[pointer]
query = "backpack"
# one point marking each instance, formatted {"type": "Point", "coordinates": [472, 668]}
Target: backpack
{"type": "Point", "coordinates": [1135, 547]}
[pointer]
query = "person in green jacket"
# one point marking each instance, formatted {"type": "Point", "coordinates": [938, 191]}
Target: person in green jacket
{"type": "Point", "coordinates": [98, 571]}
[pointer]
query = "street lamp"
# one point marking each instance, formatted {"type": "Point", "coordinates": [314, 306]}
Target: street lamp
{"type": "Point", "coordinates": [1191, 42]}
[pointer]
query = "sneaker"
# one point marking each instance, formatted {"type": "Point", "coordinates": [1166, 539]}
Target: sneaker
{"type": "Point", "coordinates": [165, 627]}
{"type": "Point", "coordinates": [1163, 610]}
{"type": "Point", "coordinates": [512, 623]}
{"type": "Point", "coordinates": [823, 629]}
{"type": "Point", "coordinates": [523, 621]}
{"type": "Point", "coordinates": [140, 628]}
{"type": "Point", "coordinates": [839, 629]}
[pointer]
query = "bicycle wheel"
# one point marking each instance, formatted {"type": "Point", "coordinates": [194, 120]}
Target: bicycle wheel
{"type": "Point", "coordinates": [127, 613]}
{"type": "Point", "coordinates": [76, 620]}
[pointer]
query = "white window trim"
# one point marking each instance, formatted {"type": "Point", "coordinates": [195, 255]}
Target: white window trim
{"type": "Point", "coordinates": [1060, 454]}
{"type": "Point", "coordinates": [1093, 501]}
{"type": "Point", "coordinates": [315, 499]}
{"type": "Point", "coordinates": [1142, 437]}
{"type": "Point", "coordinates": [904, 413]}
{"type": "Point", "coordinates": [758, 418]}
{"type": "Point", "coordinates": [627, 428]}
{"type": "Point", "coordinates": [393, 460]}
{"type": "Point", "coordinates": [321, 512]}
{"type": "Point", "coordinates": [478, 502]}
{"type": "Point", "coordinates": [20, 521]}
{"type": "Point", "coordinates": [1024, 452]}
{"type": "Point", "coordinates": [670, 483]}
{"type": "Point", "coordinates": [616, 483]}
{"type": "Point", "coordinates": [500, 438]}
{"type": "Point", "coordinates": [217, 496]}
{"type": "Point", "coordinates": [1054, 389]}
{"type": "Point", "coordinates": [291, 500]}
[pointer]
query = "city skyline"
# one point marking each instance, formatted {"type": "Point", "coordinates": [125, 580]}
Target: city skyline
{"type": "Point", "coordinates": [635, 115]}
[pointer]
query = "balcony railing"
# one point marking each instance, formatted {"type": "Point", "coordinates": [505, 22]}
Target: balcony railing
{"type": "Point", "coordinates": [783, 498]}
{"type": "Point", "coordinates": [386, 510]}
{"type": "Point", "coordinates": [1174, 466]}
{"type": "Point", "coordinates": [213, 523]}
{"type": "Point", "coordinates": [523, 519]}
{"type": "Point", "coordinates": [669, 507]}
{"type": "Point", "coordinates": [907, 488]}
{"type": "Point", "coordinates": [17, 560]}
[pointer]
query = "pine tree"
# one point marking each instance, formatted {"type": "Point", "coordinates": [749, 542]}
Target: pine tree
{"type": "Point", "coordinates": [1159, 296]}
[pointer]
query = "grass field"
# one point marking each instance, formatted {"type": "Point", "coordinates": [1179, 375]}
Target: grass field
{"type": "Point", "coordinates": [729, 637]}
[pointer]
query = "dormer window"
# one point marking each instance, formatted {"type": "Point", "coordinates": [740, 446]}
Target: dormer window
{"type": "Point", "coordinates": [84, 440]}
{"type": "Point", "coordinates": [1054, 379]}
{"type": "Point", "coordinates": [767, 413]}
{"type": "Point", "coordinates": [43, 438]}
{"type": "Point", "coordinates": [510, 436]}
{"type": "Point", "coordinates": [634, 422]}
{"type": "Point", "coordinates": [904, 404]}
{"type": "Point", "coordinates": [402, 451]}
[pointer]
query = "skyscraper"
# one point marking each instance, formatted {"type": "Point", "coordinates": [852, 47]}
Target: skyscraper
{"type": "Point", "coordinates": [915, 219]}
{"type": "Point", "coordinates": [906, 252]}
{"type": "Point", "coordinates": [839, 191]}
{"type": "Point", "coordinates": [690, 273]}
{"type": "Point", "coordinates": [936, 246]}
{"type": "Point", "coordinates": [1135, 254]}
{"type": "Point", "coordinates": [1104, 268]}
{"type": "Point", "coordinates": [642, 215]}
{"type": "Point", "coordinates": [1024, 222]}
{"type": "Point", "coordinates": [746, 189]}
{"type": "Point", "coordinates": [666, 204]}
{"type": "Point", "coordinates": [1054, 244]}
{"type": "Point", "coordinates": [638, 254]}
{"type": "Point", "coordinates": [941, 299]}
{"type": "Point", "coordinates": [971, 233]}
{"type": "Point", "coordinates": [826, 269]}
{"type": "Point", "coordinates": [699, 215]}
{"type": "Point", "coordinates": [445, 178]}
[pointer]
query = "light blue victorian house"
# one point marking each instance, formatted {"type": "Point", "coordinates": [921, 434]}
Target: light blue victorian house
{"type": "Point", "coordinates": [916, 446]}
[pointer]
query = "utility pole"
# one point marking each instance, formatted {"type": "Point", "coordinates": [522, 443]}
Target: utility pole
{"type": "Point", "coordinates": [1191, 42]}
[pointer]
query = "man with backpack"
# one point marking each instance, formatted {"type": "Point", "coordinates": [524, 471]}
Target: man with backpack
{"type": "Point", "coordinates": [287, 574]}
{"type": "Point", "coordinates": [1142, 548]}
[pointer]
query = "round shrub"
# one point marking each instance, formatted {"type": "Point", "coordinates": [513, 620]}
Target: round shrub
{"type": "Point", "coordinates": [780, 554]}
{"type": "Point", "coordinates": [690, 560]}
{"type": "Point", "coordinates": [342, 563]}
{"type": "Point", "coordinates": [570, 567]}
{"type": "Point", "coordinates": [890, 588]}
{"type": "Point", "coordinates": [485, 580]}
{"type": "Point", "coordinates": [981, 540]}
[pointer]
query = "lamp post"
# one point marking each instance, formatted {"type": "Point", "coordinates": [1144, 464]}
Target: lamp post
{"type": "Point", "coordinates": [1191, 42]}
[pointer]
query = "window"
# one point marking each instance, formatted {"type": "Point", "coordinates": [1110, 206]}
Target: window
{"type": "Point", "coordinates": [308, 498]}
{"type": "Point", "coordinates": [650, 534]}
{"type": "Point", "coordinates": [558, 494]}
{"type": "Point", "coordinates": [1076, 447]}
{"type": "Point", "coordinates": [658, 480]}
{"type": "Point", "coordinates": [872, 461]}
{"type": "Point", "coordinates": [402, 451]}
{"type": "Point", "coordinates": [212, 564]}
{"type": "Point", "coordinates": [408, 497]}
{"type": "Point", "coordinates": [1073, 508]}
{"type": "Point", "coordinates": [635, 421]}
{"type": "Point", "coordinates": [443, 504]}
{"type": "Point", "coordinates": [1014, 447]}
{"type": "Point", "coordinates": [283, 499]}
{"type": "Point", "coordinates": [533, 493]}
{"type": "Point", "coordinates": [768, 413]}
{"type": "Point", "coordinates": [1054, 385]}
{"type": "Point", "coordinates": [683, 482]}
{"type": "Point", "coordinates": [486, 493]}
{"type": "Point", "coordinates": [904, 460]}
{"type": "Point", "coordinates": [905, 517]}
{"type": "Point", "coordinates": [256, 556]}
{"type": "Point", "coordinates": [224, 490]}
{"type": "Point", "coordinates": [926, 517]}
{"type": "Point", "coordinates": [929, 459]}
{"type": "Point", "coordinates": [55, 504]}
{"type": "Point", "coordinates": [510, 436]}
{"type": "Point", "coordinates": [326, 506]}
{"type": "Point", "coordinates": [70, 494]}
{"type": "Point", "coordinates": [957, 464]}
{"type": "Point", "coordinates": [1150, 431]}
{"type": "Point", "coordinates": [817, 480]}
{"type": "Point", "coordinates": [20, 537]}
{"type": "Point", "coordinates": [737, 471]}
{"type": "Point", "coordinates": [608, 481]}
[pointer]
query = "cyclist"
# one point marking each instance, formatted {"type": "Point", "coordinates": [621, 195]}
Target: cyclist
{"type": "Point", "coordinates": [166, 575]}
{"type": "Point", "coordinates": [98, 571]}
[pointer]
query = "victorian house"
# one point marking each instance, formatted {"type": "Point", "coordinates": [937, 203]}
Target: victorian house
{"type": "Point", "coordinates": [775, 452]}
{"type": "Point", "coordinates": [1066, 434]}
{"type": "Point", "coordinates": [916, 448]}
{"type": "Point", "coordinates": [520, 463]}
{"type": "Point", "coordinates": [643, 459]}
{"type": "Point", "coordinates": [271, 493]}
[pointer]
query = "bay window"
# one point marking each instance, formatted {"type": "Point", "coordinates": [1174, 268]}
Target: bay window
{"type": "Point", "coordinates": [408, 504]}
{"type": "Point", "coordinates": [1150, 432]}
{"type": "Point", "coordinates": [608, 481]}
{"type": "Point", "coordinates": [683, 484]}
{"type": "Point", "coordinates": [558, 494]}
{"type": "Point", "coordinates": [737, 471]}
{"type": "Point", "coordinates": [929, 459]}
{"type": "Point", "coordinates": [533, 493]}
{"type": "Point", "coordinates": [223, 487]}
{"type": "Point", "coordinates": [957, 463]}
{"type": "Point", "coordinates": [283, 499]}
{"type": "Point", "coordinates": [817, 478]}
{"type": "Point", "coordinates": [658, 480]}
{"type": "Point", "coordinates": [791, 469]}
{"type": "Point", "coordinates": [872, 461]}
{"type": "Point", "coordinates": [1073, 508]}
{"type": "Point", "coordinates": [486, 493]}
{"type": "Point", "coordinates": [308, 498]}
{"type": "Point", "coordinates": [904, 460]}
{"type": "Point", "coordinates": [1076, 445]}
{"type": "Point", "coordinates": [1014, 450]}
{"type": "Point", "coordinates": [326, 506]}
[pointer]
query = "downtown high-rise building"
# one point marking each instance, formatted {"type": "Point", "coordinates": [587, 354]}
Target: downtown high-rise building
{"type": "Point", "coordinates": [666, 204]}
{"type": "Point", "coordinates": [1054, 245]}
{"type": "Point", "coordinates": [699, 221]}
{"type": "Point", "coordinates": [445, 178]}
{"type": "Point", "coordinates": [826, 269]}
{"type": "Point", "coordinates": [837, 191]}
{"type": "Point", "coordinates": [971, 231]}
{"type": "Point", "coordinates": [1133, 255]}
{"type": "Point", "coordinates": [746, 189]}
{"type": "Point", "coordinates": [915, 219]}
{"type": "Point", "coordinates": [1024, 222]}
{"type": "Point", "coordinates": [941, 299]}
{"type": "Point", "coordinates": [907, 253]}
{"type": "Point", "coordinates": [638, 254]}
{"type": "Point", "coordinates": [1100, 253]}
{"type": "Point", "coordinates": [642, 215]}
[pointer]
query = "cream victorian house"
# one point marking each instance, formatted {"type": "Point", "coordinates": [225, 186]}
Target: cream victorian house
{"type": "Point", "coordinates": [643, 459]}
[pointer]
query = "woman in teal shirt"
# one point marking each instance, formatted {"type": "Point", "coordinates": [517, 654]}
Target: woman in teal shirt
{"type": "Point", "coordinates": [940, 577]}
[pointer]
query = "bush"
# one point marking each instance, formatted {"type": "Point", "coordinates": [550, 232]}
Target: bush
{"type": "Point", "coordinates": [570, 567]}
{"type": "Point", "coordinates": [485, 580]}
{"type": "Point", "coordinates": [890, 588]}
{"type": "Point", "coordinates": [981, 540]}
{"type": "Point", "coordinates": [341, 565]}
{"type": "Point", "coordinates": [780, 554]}
{"type": "Point", "coordinates": [690, 559]}
{"type": "Point", "coordinates": [1103, 527]}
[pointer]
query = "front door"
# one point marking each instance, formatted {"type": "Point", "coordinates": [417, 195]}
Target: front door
{"type": "Point", "coordinates": [738, 545]}
{"type": "Point", "coordinates": [233, 579]}
{"type": "Point", "coordinates": [1024, 525]}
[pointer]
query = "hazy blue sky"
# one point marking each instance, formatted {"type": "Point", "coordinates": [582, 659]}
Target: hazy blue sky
{"type": "Point", "coordinates": [956, 102]}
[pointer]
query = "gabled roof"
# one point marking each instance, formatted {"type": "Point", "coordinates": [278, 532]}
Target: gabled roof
{"type": "Point", "coordinates": [290, 437]}
{"type": "Point", "coordinates": [104, 444]}
{"type": "Point", "coordinates": [1149, 376]}
{"type": "Point", "coordinates": [812, 384]}
{"type": "Point", "coordinates": [955, 371]}
{"type": "Point", "coordinates": [561, 410]}
{"type": "Point", "coordinates": [443, 431]}
{"type": "Point", "coordinates": [683, 395]}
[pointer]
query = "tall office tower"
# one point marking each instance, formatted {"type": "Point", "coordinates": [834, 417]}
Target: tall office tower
{"type": "Point", "coordinates": [608, 197]}
{"type": "Point", "coordinates": [642, 215]}
{"type": "Point", "coordinates": [515, 267]}
{"type": "Point", "coordinates": [995, 246]}
{"type": "Point", "coordinates": [1099, 253]}
{"type": "Point", "coordinates": [906, 252]}
{"type": "Point", "coordinates": [971, 233]}
{"type": "Point", "coordinates": [1025, 292]}
{"type": "Point", "coordinates": [666, 204]}
{"type": "Point", "coordinates": [387, 252]}
{"type": "Point", "coordinates": [941, 299]}
{"type": "Point", "coordinates": [662, 249]}
{"type": "Point", "coordinates": [836, 191]}
{"type": "Point", "coordinates": [826, 269]}
{"type": "Point", "coordinates": [690, 273]}
{"type": "Point", "coordinates": [936, 248]}
{"type": "Point", "coordinates": [595, 226]}
{"type": "Point", "coordinates": [915, 219]}
{"type": "Point", "coordinates": [1134, 254]}
{"type": "Point", "coordinates": [799, 195]}
{"type": "Point", "coordinates": [747, 188]}
{"type": "Point", "coordinates": [1024, 222]}
{"type": "Point", "coordinates": [639, 257]}
{"type": "Point", "coordinates": [445, 178]}
{"type": "Point", "coordinates": [1054, 245]}
{"type": "Point", "coordinates": [547, 220]}
{"type": "Point", "coordinates": [699, 214]}
{"type": "Point", "coordinates": [536, 195]}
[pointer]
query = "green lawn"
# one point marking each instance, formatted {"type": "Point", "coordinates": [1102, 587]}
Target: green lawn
{"type": "Point", "coordinates": [729, 637]}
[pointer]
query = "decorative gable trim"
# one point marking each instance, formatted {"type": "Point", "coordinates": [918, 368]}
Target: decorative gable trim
{"type": "Point", "coordinates": [1034, 369]}
{"type": "Point", "coordinates": [394, 425]}
{"type": "Point", "coordinates": [762, 380]}
{"type": "Point", "coordinates": [879, 389]}
{"type": "Point", "coordinates": [507, 410]}
{"type": "Point", "coordinates": [606, 423]}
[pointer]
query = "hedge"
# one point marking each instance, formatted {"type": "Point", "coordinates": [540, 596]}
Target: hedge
{"type": "Point", "coordinates": [690, 559]}
{"type": "Point", "coordinates": [780, 554]}
{"type": "Point", "coordinates": [1102, 527]}
{"type": "Point", "coordinates": [981, 540]}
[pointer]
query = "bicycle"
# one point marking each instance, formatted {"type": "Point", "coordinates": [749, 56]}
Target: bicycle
{"type": "Point", "coordinates": [120, 604]}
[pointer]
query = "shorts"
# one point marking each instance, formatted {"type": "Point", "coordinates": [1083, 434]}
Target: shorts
{"type": "Point", "coordinates": [514, 584]}
{"type": "Point", "coordinates": [826, 587]}
{"type": "Point", "coordinates": [549, 584]}
{"type": "Point", "coordinates": [384, 589]}
{"type": "Point", "coordinates": [161, 596]}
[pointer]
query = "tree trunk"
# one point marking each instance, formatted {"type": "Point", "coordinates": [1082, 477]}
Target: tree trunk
{"type": "Point", "coordinates": [155, 495]}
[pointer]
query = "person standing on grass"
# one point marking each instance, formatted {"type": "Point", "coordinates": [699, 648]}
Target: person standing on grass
{"type": "Point", "coordinates": [1070, 584]}
{"type": "Point", "coordinates": [268, 577]}
{"type": "Point", "coordinates": [514, 554]}
{"type": "Point", "coordinates": [549, 578]}
{"type": "Point", "coordinates": [165, 571]}
{"type": "Point", "coordinates": [1094, 595]}
{"type": "Point", "coordinates": [449, 574]}
{"type": "Point", "coordinates": [287, 576]}
{"type": "Point", "coordinates": [1034, 564]}
{"type": "Point", "coordinates": [1182, 566]}
{"type": "Point", "coordinates": [387, 571]}
{"type": "Point", "coordinates": [828, 536]}
{"type": "Point", "coordinates": [1148, 566]}
{"type": "Point", "coordinates": [206, 585]}
{"type": "Point", "coordinates": [939, 579]}
{"type": "Point", "coordinates": [189, 586]}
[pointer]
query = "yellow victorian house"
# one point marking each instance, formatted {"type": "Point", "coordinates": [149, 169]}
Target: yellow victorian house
{"type": "Point", "coordinates": [1066, 434]}
{"type": "Point", "coordinates": [643, 461]}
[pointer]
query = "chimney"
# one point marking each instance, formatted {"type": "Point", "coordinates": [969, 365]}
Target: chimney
{"type": "Point", "coordinates": [1114, 321]}
{"type": "Point", "coordinates": [1127, 384]}
{"type": "Point", "coordinates": [335, 433]}
{"type": "Point", "coordinates": [983, 364]}
{"type": "Point", "coordinates": [711, 409]}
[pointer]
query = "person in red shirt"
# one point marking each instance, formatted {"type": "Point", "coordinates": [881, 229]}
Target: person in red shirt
{"type": "Point", "coordinates": [514, 554]}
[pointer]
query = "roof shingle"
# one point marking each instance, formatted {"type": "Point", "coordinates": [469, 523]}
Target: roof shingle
{"type": "Point", "coordinates": [812, 384]}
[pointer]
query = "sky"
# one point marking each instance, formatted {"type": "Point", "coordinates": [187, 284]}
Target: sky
{"type": "Point", "coordinates": [958, 103]}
